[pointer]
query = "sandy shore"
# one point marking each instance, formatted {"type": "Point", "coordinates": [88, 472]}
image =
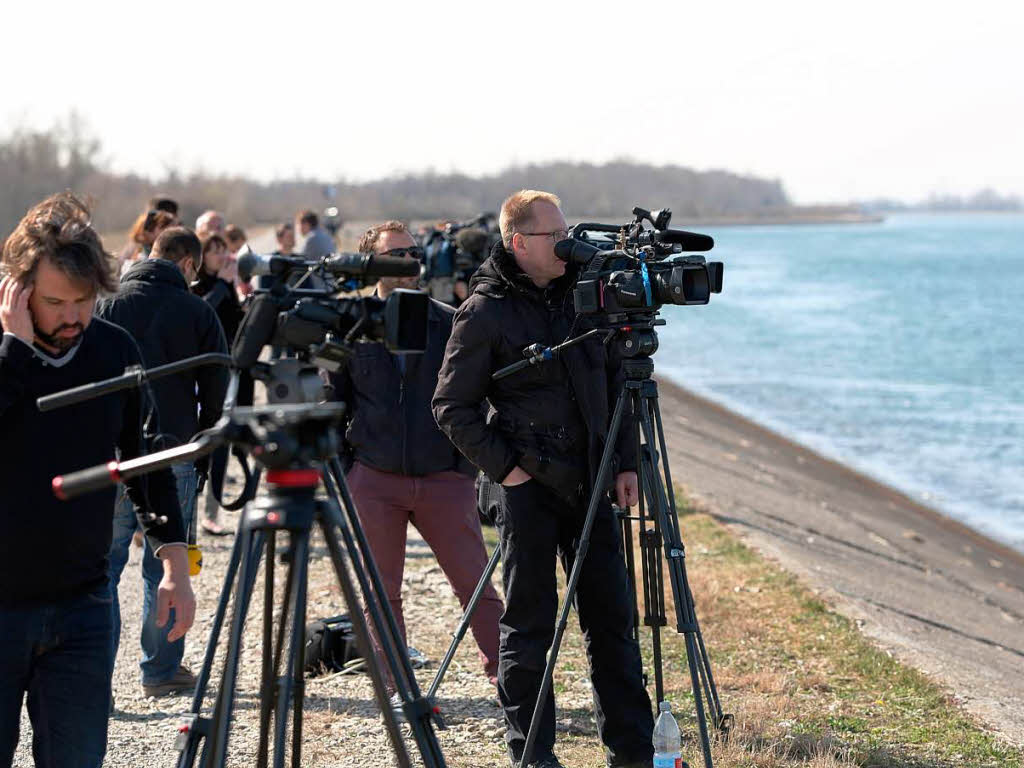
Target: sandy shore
{"type": "Point", "coordinates": [939, 595]}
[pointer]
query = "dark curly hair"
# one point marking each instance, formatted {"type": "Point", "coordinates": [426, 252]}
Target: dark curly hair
{"type": "Point", "coordinates": [59, 229]}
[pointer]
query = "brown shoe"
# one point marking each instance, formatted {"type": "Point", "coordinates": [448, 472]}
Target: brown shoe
{"type": "Point", "coordinates": [182, 682]}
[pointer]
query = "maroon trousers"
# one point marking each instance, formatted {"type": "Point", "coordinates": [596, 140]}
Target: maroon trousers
{"type": "Point", "coordinates": [442, 506]}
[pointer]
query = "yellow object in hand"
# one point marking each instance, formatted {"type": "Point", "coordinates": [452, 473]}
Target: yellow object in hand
{"type": "Point", "coordinates": [195, 560]}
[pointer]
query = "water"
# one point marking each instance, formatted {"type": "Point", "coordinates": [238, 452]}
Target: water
{"type": "Point", "coordinates": [897, 348]}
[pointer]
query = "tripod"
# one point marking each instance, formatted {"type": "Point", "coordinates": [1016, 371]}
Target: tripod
{"type": "Point", "coordinates": [297, 444]}
{"type": "Point", "coordinates": [640, 392]}
{"type": "Point", "coordinates": [291, 506]}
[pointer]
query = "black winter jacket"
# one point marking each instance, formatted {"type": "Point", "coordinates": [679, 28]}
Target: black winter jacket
{"type": "Point", "coordinates": [551, 419]}
{"type": "Point", "coordinates": [169, 324]}
{"type": "Point", "coordinates": [220, 294]}
{"type": "Point", "coordinates": [390, 426]}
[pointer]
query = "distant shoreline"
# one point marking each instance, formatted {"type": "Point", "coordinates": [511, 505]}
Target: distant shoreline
{"type": "Point", "coordinates": [808, 215]}
{"type": "Point", "coordinates": [782, 220]}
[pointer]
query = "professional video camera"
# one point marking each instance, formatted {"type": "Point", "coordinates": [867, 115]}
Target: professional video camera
{"type": "Point", "coordinates": [316, 325]}
{"type": "Point", "coordinates": [630, 269]}
{"type": "Point", "coordinates": [626, 273]}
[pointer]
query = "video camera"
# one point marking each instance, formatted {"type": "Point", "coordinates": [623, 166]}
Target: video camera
{"type": "Point", "coordinates": [626, 274]}
{"type": "Point", "coordinates": [316, 325]}
{"type": "Point", "coordinates": [630, 269]}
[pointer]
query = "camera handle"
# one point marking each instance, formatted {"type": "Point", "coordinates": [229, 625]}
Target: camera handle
{"type": "Point", "coordinates": [538, 353]}
{"type": "Point", "coordinates": [134, 376]}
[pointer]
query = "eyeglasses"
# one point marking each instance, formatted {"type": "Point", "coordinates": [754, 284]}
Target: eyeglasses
{"type": "Point", "coordinates": [556, 235]}
{"type": "Point", "coordinates": [414, 252]}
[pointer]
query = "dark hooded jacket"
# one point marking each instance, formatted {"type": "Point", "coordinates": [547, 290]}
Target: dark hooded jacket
{"type": "Point", "coordinates": [551, 419]}
{"type": "Point", "coordinates": [169, 324]}
{"type": "Point", "coordinates": [390, 426]}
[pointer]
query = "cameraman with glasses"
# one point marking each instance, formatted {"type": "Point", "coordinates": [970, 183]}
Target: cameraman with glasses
{"type": "Point", "coordinates": [543, 443]}
{"type": "Point", "coordinates": [405, 469]}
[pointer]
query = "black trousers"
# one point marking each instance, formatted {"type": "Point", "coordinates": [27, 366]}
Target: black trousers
{"type": "Point", "coordinates": [536, 527]}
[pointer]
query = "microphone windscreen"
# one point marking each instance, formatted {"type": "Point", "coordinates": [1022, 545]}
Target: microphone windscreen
{"type": "Point", "coordinates": [391, 266]}
{"type": "Point", "coordinates": [257, 330]}
{"type": "Point", "coordinates": [371, 265]}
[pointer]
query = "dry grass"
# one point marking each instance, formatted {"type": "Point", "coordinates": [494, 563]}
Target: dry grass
{"type": "Point", "coordinates": [806, 688]}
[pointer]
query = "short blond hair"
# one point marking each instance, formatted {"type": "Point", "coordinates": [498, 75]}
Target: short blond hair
{"type": "Point", "coordinates": [517, 211]}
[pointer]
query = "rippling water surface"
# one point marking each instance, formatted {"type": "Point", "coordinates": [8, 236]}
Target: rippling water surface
{"type": "Point", "coordinates": [897, 348]}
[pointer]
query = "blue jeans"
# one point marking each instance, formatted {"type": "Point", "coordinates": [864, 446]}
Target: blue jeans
{"type": "Point", "coordinates": [160, 659]}
{"type": "Point", "coordinates": [61, 653]}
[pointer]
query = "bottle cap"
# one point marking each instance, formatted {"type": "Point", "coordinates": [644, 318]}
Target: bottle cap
{"type": "Point", "coordinates": [664, 707]}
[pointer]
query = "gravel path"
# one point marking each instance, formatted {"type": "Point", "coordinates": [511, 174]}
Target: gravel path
{"type": "Point", "coordinates": [342, 726]}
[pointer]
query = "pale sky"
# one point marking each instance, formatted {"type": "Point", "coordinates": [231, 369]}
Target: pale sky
{"type": "Point", "coordinates": [838, 100]}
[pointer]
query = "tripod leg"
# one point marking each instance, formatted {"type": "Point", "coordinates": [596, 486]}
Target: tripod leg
{"type": "Point", "coordinates": [329, 521]}
{"type": "Point", "coordinates": [370, 582]}
{"type": "Point", "coordinates": [218, 625]}
{"type": "Point", "coordinates": [225, 701]}
{"type": "Point", "coordinates": [267, 674]}
{"type": "Point", "coordinates": [299, 667]}
{"type": "Point", "coordinates": [685, 616]}
{"type": "Point", "coordinates": [467, 615]}
{"type": "Point", "coordinates": [721, 721]}
{"type": "Point", "coordinates": [365, 568]}
{"type": "Point", "coordinates": [297, 568]}
{"type": "Point", "coordinates": [654, 586]}
{"type": "Point", "coordinates": [627, 548]}
{"type": "Point", "coordinates": [190, 747]}
{"type": "Point", "coordinates": [581, 552]}
{"type": "Point", "coordinates": [418, 710]}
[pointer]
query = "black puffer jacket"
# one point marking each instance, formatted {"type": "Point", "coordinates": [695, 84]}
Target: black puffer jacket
{"type": "Point", "coordinates": [551, 419]}
{"type": "Point", "coordinates": [391, 427]}
{"type": "Point", "coordinates": [169, 324]}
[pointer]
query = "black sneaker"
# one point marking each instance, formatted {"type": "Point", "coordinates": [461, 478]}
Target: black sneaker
{"type": "Point", "coordinates": [548, 762]}
{"type": "Point", "coordinates": [545, 762]}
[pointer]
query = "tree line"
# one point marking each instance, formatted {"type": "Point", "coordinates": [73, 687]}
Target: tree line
{"type": "Point", "coordinates": [37, 163]}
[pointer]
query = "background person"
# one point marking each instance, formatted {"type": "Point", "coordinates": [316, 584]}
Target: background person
{"type": "Point", "coordinates": [316, 242]}
{"type": "Point", "coordinates": [221, 296]}
{"type": "Point", "coordinates": [165, 203]}
{"type": "Point", "coordinates": [143, 235]}
{"type": "Point", "coordinates": [169, 324]}
{"type": "Point", "coordinates": [407, 471]}
{"type": "Point", "coordinates": [209, 222]}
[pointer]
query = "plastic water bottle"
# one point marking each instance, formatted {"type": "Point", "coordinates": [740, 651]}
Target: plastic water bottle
{"type": "Point", "coordinates": [667, 752]}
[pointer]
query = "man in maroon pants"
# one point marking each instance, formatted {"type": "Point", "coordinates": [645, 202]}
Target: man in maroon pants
{"type": "Point", "coordinates": [405, 469]}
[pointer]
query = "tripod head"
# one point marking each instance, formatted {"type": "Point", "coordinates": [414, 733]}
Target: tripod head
{"type": "Point", "coordinates": [278, 437]}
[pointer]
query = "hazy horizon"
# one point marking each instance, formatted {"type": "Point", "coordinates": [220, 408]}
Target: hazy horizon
{"type": "Point", "coordinates": [839, 104]}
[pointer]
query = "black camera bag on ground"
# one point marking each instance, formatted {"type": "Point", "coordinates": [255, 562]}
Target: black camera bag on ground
{"type": "Point", "coordinates": [330, 645]}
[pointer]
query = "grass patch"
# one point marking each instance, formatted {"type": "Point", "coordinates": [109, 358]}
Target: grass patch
{"type": "Point", "coordinates": [805, 686]}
